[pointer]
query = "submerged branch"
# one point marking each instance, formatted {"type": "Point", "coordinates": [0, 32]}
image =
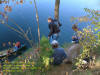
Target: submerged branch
{"type": "Point", "coordinates": [14, 29]}
{"type": "Point", "coordinates": [21, 33]}
{"type": "Point", "coordinates": [24, 34]}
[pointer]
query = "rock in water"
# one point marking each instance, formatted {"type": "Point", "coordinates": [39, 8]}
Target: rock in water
{"type": "Point", "coordinates": [73, 51]}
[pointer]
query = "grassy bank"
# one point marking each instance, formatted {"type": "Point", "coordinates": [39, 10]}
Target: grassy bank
{"type": "Point", "coordinates": [62, 69]}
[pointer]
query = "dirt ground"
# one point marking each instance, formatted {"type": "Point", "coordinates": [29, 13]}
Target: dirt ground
{"type": "Point", "coordinates": [66, 69]}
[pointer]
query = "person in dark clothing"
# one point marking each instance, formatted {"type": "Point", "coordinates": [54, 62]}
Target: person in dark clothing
{"type": "Point", "coordinates": [59, 54]}
{"type": "Point", "coordinates": [75, 39]}
{"type": "Point", "coordinates": [54, 29]}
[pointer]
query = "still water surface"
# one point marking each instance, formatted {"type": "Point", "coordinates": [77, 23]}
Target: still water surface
{"type": "Point", "coordinates": [24, 15]}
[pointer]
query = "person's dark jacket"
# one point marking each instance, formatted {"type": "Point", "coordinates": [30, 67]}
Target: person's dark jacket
{"type": "Point", "coordinates": [54, 27]}
{"type": "Point", "coordinates": [76, 40]}
{"type": "Point", "coordinates": [59, 55]}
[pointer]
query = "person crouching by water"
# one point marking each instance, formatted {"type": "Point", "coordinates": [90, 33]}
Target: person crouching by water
{"type": "Point", "coordinates": [59, 54]}
{"type": "Point", "coordinates": [75, 38]}
{"type": "Point", "coordinates": [17, 46]}
{"type": "Point", "coordinates": [54, 29]}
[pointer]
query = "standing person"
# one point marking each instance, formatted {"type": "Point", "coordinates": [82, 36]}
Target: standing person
{"type": "Point", "coordinates": [75, 38]}
{"type": "Point", "coordinates": [54, 29]}
{"type": "Point", "coordinates": [59, 54]}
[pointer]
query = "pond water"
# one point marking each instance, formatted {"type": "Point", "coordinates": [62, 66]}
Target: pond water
{"type": "Point", "coordinates": [24, 15]}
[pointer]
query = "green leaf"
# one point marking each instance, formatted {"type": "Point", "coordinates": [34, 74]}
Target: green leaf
{"type": "Point", "coordinates": [30, 2]}
{"type": "Point", "coordinates": [93, 22]}
{"type": "Point", "coordinates": [96, 29]}
{"type": "Point", "coordinates": [96, 18]}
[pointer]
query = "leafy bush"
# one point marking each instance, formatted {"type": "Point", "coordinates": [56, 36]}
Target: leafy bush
{"type": "Point", "coordinates": [88, 42]}
{"type": "Point", "coordinates": [90, 36]}
{"type": "Point", "coordinates": [45, 53]}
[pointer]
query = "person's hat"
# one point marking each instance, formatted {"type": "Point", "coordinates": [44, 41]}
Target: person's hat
{"type": "Point", "coordinates": [49, 18]}
{"type": "Point", "coordinates": [54, 42]}
{"type": "Point", "coordinates": [74, 26]}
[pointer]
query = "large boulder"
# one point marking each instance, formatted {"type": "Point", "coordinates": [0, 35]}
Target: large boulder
{"type": "Point", "coordinates": [73, 51]}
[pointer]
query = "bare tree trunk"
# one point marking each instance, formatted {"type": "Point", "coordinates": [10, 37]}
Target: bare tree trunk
{"type": "Point", "coordinates": [57, 3]}
{"type": "Point", "coordinates": [0, 2]}
{"type": "Point", "coordinates": [37, 18]}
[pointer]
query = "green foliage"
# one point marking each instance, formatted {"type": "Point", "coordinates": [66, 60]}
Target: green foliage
{"type": "Point", "coordinates": [41, 65]}
{"type": "Point", "coordinates": [94, 16]}
{"type": "Point", "coordinates": [45, 47]}
{"type": "Point", "coordinates": [90, 36]}
{"type": "Point", "coordinates": [45, 53]}
{"type": "Point", "coordinates": [88, 42]}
